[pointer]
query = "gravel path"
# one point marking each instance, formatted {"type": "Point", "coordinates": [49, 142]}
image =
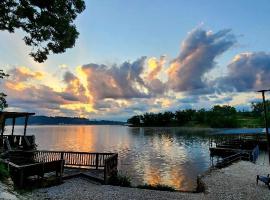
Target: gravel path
{"type": "Point", "coordinates": [6, 192]}
{"type": "Point", "coordinates": [82, 189]}
{"type": "Point", "coordinates": [235, 182]}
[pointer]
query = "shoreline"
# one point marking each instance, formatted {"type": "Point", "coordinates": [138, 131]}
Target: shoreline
{"type": "Point", "coordinates": [237, 181]}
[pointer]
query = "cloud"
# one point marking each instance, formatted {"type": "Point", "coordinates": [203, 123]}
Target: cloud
{"type": "Point", "coordinates": [74, 89]}
{"type": "Point", "coordinates": [25, 74]}
{"type": "Point", "coordinates": [155, 67]}
{"type": "Point", "coordinates": [26, 92]}
{"type": "Point", "coordinates": [144, 85]}
{"type": "Point", "coordinates": [247, 72]}
{"type": "Point", "coordinates": [197, 57]}
{"type": "Point", "coordinates": [152, 81]}
{"type": "Point", "coordinates": [117, 82]}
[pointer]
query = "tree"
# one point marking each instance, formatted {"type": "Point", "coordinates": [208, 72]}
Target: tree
{"type": "Point", "coordinates": [201, 116]}
{"type": "Point", "coordinates": [223, 117]}
{"type": "Point", "coordinates": [149, 119]}
{"type": "Point", "coordinates": [134, 120]}
{"type": "Point", "coordinates": [257, 108]}
{"type": "Point", "coordinates": [3, 102]}
{"type": "Point", "coordinates": [167, 118]}
{"type": "Point", "coordinates": [184, 116]}
{"type": "Point", "coordinates": [48, 24]}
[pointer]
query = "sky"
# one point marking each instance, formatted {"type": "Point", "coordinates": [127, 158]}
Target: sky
{"type": "Point", "coordinates": [140, 56]}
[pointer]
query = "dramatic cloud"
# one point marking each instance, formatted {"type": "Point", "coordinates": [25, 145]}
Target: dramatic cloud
{"type": "Point", "coordinates": [153, 83]}
{"type": "Point", "coordinates": [247, 72]}
{"type": "Point", "coordinates": [117, 82]}
{"type": "Point", "coordinates": [145, 85]}
{"type": "Point", "coordinates": [74, 89]}
{"type": "Point", "coordinates": [25, 92]}
{"type": "Point", "coordinates": [24, 74]}
{"type": "Point", "coordinates": [197, 57]}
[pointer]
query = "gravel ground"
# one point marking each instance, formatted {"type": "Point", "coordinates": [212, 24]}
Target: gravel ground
{"type": "Point", "coordinates": [235, 182]}
{"type": "Point", "coordinates": [7, 192]}
{"type": "Point", "coordinates": [78, 188]}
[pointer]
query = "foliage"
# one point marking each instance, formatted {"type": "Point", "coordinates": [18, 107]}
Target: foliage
{"type": "Point", "coordinates": [120, 180]}
{"type": "Point", "coordinates": [3, 102]}
{"type": "Point", "coordinates": [184, 116]}
{"type": "Point", "coordinates": [48, 24]}
{"type": "Point", "coordinates": [258, 109]}
{"type": "Point", "coordinates": [159, 119]}
{"type": "Point", "coordinates": [156, 187]}
{"type": "Point", "coordinates": [3, 172]}
{"type": "Point", "coordinates": [217, 117]}
{"type": "Point", "coordinates": [223, 117]}
{"type": "Point", "coordinates": [135, 120]}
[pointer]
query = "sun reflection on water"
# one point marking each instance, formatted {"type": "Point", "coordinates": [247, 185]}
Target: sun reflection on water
{"type": "Point", "coordinates": [168, 156]}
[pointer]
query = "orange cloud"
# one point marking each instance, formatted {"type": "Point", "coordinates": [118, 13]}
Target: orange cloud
{"type": "Point", "coordinates": [155, 67]}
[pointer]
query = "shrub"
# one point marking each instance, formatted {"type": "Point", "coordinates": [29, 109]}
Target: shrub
{"type": "Point", "coordinates": [156, 187]}
{"type": "Point", "coordinates": [120, 180]}
{"type": "Point", "coordinates": [3, 172]}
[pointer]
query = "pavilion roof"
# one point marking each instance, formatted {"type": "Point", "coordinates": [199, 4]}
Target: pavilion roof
{"type": "Point", "coordinates": [7, 115]}
{"type": "Point", "coordinates": [240, 131]}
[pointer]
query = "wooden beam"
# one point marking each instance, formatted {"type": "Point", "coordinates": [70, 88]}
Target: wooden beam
{"type": "Point", "coordinates": [13, 124]}
{"type": "Point", "coordinates": [3, 123]}
{"type": "Point", "coordinates": [2, 126]}
{"type": "Point", "coordinates": [25, 125]}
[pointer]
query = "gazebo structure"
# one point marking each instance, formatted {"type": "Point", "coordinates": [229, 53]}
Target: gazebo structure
{"type": "Point", "coordinates": [9, 141]}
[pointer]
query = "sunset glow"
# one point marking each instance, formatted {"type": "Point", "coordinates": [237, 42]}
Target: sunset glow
{"type": "Point", "coordinates": [98, 80]}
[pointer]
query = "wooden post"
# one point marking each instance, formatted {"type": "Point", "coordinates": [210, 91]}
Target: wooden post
{"type": "Point", "coordinates": [3, 126]}
{"type": "Point", "coordinates": [266, 123]}
{"type": "Point", "coordinates": [3, 121]}
{"type": "Point", "coordinates": [97, 155]}
{"type": "Point", "coordinates": [105, 174]}
{"type": "Point", "coordinates": [13, 124]}
{"type": "Point", "coordinates": [25, 124]}
{"type": "Point", "coordinates": [21, 178]}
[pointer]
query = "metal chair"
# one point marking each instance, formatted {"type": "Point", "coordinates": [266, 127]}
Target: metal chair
{"type": "Point", "coordinates": [264, 179]}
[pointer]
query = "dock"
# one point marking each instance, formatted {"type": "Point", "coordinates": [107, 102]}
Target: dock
{"type": "Point", "coordinates": [230, 146]}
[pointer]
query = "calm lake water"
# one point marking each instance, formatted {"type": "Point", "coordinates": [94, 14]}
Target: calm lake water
{"type": "Point", "coordinates": [171, 156]}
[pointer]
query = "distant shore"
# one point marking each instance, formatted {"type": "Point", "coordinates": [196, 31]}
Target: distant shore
{"type": "Point", "coordinates": [58, 120]}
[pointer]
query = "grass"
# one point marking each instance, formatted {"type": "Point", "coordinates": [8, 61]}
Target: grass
{"type": "Point", "coordinates": [4, 174]}
{"type": "Point", "coordinates": [120, 180]}
{"type": "Point", "coordinates": [250, 122]}
{"type": "Point", "coordinates": [157, 187]}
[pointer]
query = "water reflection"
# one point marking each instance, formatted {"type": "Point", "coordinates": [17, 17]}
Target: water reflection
{"type": "Point", "coordinates": [172, 156]}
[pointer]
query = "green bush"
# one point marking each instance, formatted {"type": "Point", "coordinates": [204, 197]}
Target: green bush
{"type": "Point", "coordinates": [156, 187]}
{"type": "Point", "coordinates": [3, 172]}
{"type": "Point", "coordinates": [120, 180]}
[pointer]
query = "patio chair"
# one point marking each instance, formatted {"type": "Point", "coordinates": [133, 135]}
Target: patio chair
{"type": "Point", "coordinates": [264, 179]}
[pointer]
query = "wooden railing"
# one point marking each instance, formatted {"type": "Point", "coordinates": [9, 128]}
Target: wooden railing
{"type": "Point", "coordinates": [16, 141]}
{"type": "Point", "coordinates": [110, 167]}
{"type": "Point", "coordinates": [231, 159]}
{"type": "Point", "coordinates": [106, 161]}
{"type": "Point", "coordinates": [20, 172]}
{"type": "Point", "coordinates": [86, 159]}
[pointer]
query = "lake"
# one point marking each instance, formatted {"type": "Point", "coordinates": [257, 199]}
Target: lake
{"type": "Point", "coordinates": [171, 156]}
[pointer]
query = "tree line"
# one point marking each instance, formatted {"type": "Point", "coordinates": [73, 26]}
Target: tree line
{"type": "Point", "coordinates": [217, 117]}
